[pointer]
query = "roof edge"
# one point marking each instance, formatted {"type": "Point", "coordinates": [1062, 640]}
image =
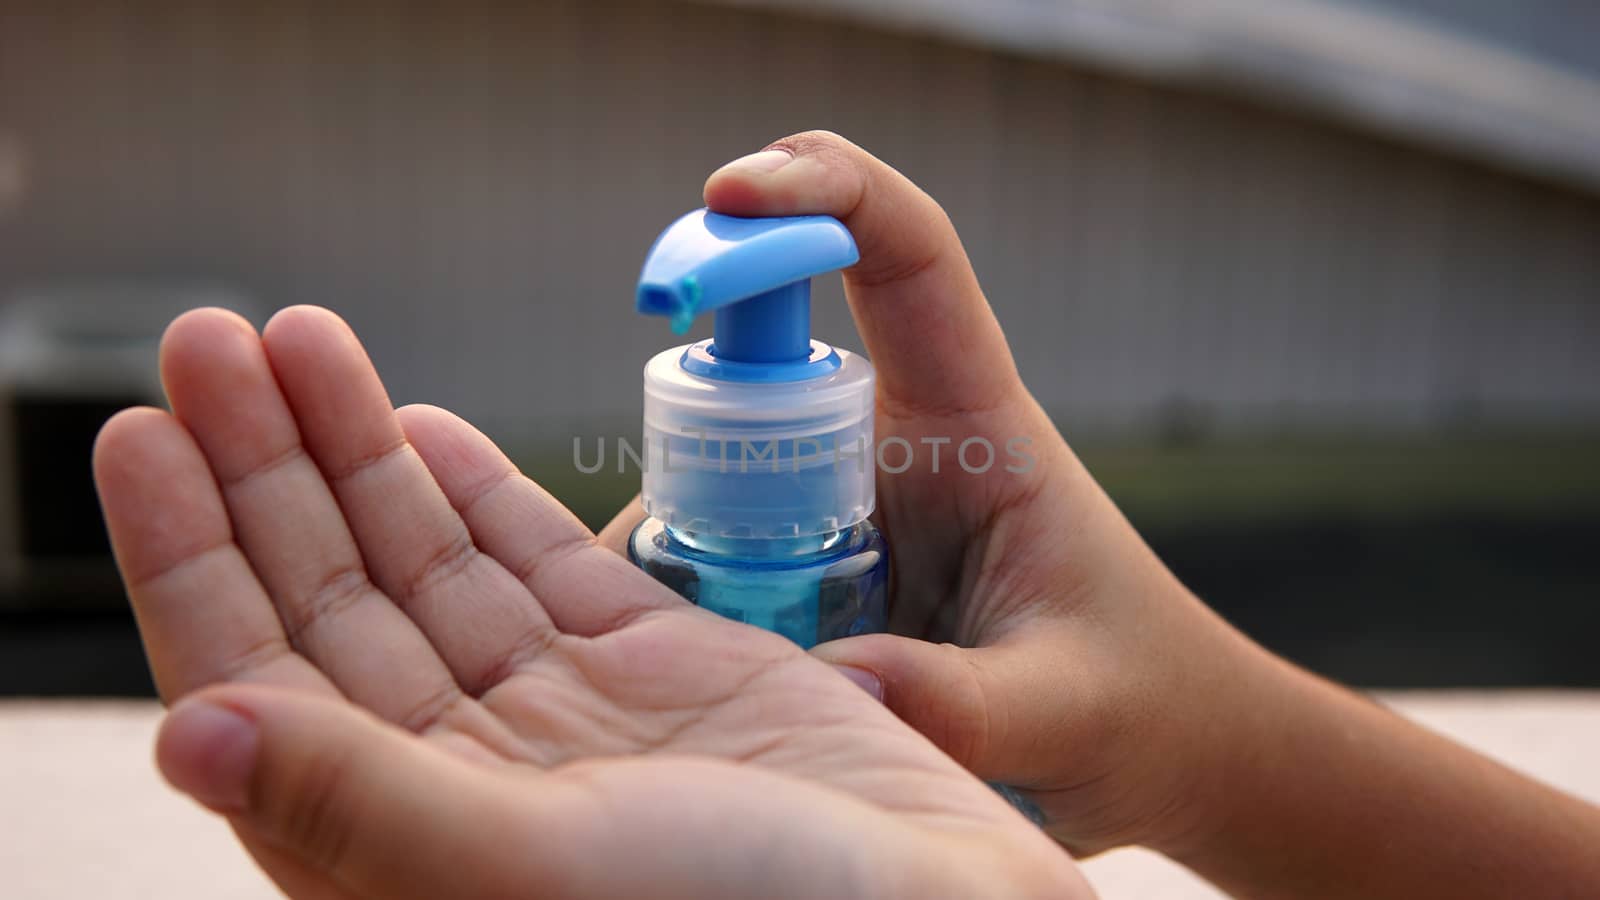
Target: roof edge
{"type": "Point", "coordinates": [1380, 72]}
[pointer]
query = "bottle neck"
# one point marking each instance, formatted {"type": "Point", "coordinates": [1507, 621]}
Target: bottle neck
{"type": "Point", "coordinates": [775, 549]}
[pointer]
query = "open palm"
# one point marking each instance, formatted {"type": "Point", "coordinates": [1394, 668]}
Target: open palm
{"type": "Point", "coordinates": [458, 692]}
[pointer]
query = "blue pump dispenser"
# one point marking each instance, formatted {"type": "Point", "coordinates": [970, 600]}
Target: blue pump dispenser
{"type": "Point", "coordinates": [787, 548]}
{"type": "Point", "coordinates": [755, 273]}
{"type": "Point", "coordinates": [758, 470]}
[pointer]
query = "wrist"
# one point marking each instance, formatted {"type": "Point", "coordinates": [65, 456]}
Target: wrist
{"type": "Point", "coordinates": [1237, 707]}
{"type": "Point", "coordinates": [1324, 787]}
{"type": "Point", "coordinates": [1223, 694]}
{"type": "Point", "coordinates": [1150, 729]}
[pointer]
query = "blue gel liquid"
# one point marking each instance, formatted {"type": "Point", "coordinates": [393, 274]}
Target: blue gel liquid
{"type": "Point", "coordinates": [810, 590]}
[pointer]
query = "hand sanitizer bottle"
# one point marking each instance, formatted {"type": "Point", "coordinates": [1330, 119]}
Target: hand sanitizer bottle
{"type": "Point", "coordinates": [758, 446]}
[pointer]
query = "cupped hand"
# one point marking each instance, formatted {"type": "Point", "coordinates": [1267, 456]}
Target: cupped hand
{"type": "Point", "coordinates": [1072, 665]}
{"type": "Point", "coordinates": [401, 669]}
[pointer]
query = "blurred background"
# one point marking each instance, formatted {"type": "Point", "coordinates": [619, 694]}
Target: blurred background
{"type": "Point", "coordinates": [1312, 285]}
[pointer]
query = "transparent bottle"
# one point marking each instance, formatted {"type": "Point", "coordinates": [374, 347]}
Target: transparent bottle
{"type": "Point", "coordinates": [809, 590]}
{"type": "Point", "coordinates": [758, 444]}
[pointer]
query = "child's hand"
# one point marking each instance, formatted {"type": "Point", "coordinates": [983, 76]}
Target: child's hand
{"type": "Point", "coordinates": [1089, 664]}
{"type": "Point", "coordinates": [402, 670]}
{"type": "Point", "coordinates": [1080, 670]}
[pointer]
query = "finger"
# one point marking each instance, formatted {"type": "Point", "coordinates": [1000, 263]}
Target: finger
{"type": "Point", "coordinates": [203, 615]}
{"type": "Point", "coordinates": [954, 697]}
{"type": "Point", "coordinates": [417, 550]}
{"type": "Point", "coordinates": [933, 339]}
{"type": "Point", "coordinates": [376, 811]}
{"type": "Point", "coordinates": [388, 814]}
{"type": "Point", "coordinates": [614, 536]}
{"type": "Point", "coordinates": [585, 588]}
{"type": "Point", "coordinates": [289, 525]}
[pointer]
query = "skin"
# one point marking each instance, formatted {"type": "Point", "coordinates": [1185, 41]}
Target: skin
{"type": "Point", "coordinates": [1030, 615]}
{"type": "Point", "coordinates": [1043, 645]}
{"type": "Point", "coordinates": [400, 669]}
{"type": "Point", "coordinates": [389, 651]}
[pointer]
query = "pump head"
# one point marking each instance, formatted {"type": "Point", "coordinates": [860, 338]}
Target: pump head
{"type": "Point", "coordinates": [755, 273]}
{"type": "Point", "coordinates": [760, 432]}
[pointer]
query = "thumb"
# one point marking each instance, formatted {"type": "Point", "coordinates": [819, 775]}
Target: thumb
{"type": "Point", "coordinates": [990, 708]}
{"type": "Point", "coordinates": [952, 695]}
{"type": "Point", "coordinates": [376, 810]}
{"type": "Point", "coordinates": [915, 299]}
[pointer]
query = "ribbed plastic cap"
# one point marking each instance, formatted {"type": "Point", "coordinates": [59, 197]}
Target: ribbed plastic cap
{"type": "Point", "coordinates": [739, 458]}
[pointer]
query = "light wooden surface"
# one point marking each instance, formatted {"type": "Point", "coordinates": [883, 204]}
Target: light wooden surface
{"type": "Point", "coordinates": [84, 814]}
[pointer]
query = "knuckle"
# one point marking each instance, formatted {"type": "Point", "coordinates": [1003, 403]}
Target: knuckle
{"type": "Point", "coordinates": [337, 591]}
{"type": "Point", "coordinates": [312, 807]}
{"type": "Point", "coordinates": [806, 143]}
{"type": "Point", "coordinates": [954, 711]}
{"type": "Point", "coordinates": [973, 716]}
{"type": "Point", "coordinates": [827, 147]}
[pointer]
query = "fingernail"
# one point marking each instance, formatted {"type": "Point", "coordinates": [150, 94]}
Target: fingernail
{"type": "Point", "coordinates": [208, 752]}
{"type": "Point", "coordinates": [865, 679]}
{"type": "Point", "coordinates": [764, 162]}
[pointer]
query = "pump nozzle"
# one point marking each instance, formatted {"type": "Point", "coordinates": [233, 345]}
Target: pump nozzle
{"type": "Point", "coordinates": [758, 442]}
{"type": "Point", "coordinates": [755, 273]}
{"type": "Point", "coordinates": [760, 433]}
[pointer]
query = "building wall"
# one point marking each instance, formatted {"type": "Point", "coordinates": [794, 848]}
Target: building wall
{"type": "Point", "coordinates": [1559, 31]}
{"type": "Point", "coordinates": [474, 187]}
